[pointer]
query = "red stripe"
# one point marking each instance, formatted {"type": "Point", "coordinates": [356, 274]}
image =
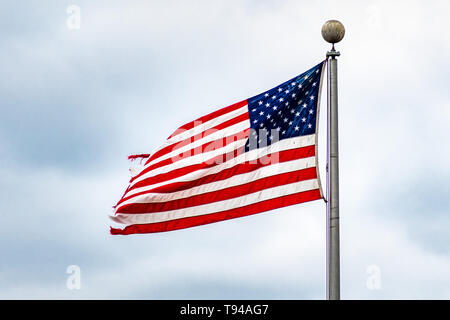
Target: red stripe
{"type": "Point", "coordinates": [209, 146]}
{"type": "Point", "coordinates": [283, 156]}
{"type": "Point", "coordinates": [198, 136]}
{"type": "Point", "coordinates": [223, 194]}
{"type": "Point", "coordinates": [208, 117]}
{"type": "Point", "coordinates": [220, 216]}
{"type": "Point", "coordinates": [138, 156]}
{"type": "Point", "coordinates": [188, 169]}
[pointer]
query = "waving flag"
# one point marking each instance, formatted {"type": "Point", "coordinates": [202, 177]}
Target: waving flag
{"type": "Point", "coordinates": [253, 156]}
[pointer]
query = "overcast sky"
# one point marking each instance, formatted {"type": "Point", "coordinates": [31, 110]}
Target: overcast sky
{"type": "Point", "coordinates": [76, 102]}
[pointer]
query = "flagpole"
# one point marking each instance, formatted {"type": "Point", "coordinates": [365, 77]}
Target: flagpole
{"type": "Point", "coordinates": [332, 31]}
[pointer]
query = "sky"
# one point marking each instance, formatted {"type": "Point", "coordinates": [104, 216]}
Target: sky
{"type": "Point", "coordinates": [86, 83]}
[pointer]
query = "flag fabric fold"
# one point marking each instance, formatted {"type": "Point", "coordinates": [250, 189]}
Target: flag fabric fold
{"type": "Point", "coordinates": [256, 155]}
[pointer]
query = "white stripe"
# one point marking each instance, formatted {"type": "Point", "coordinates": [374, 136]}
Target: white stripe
{"type": "Point", "coordinates": [208, 124]}
{"type": "Point", "coordinates": [252, 155]}
{"type": "Point", "coordinates": [195, 159]}
{"type": "Point", "coordinates": [230, 131]}
{"type": "Point", "coordinates": [201, 128]}
{"type": "Point", "coordinates": [237, 202]}
{"type": "Point", "coordinates": [236, 180]}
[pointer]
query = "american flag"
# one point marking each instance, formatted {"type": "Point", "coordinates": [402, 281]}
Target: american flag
{"type": "Point", "coordinates": [253, 156]}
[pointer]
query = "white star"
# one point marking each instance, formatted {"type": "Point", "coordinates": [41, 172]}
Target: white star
{"type": "Point", "coordinates": [309, 126]}
{"type": "Point", "coordinates": [303, 119]}
{"type": "Point", "coordinates": [260, 102]}
{"type": "Point", "coordinates": [274, 97]}
{"type": "Point", "coordinates": [290, 122]}
{"type": "Point", "coordinates": [268, 116]}
{"type": "Point", "coordinates": [312, 97]}
{"type": "Point", "coordinates": [266, 95]}
{"type": "Point", "coordinates": [261, 113]}
{"type": "Point", "coordinates": [255, 121]}
{"type": "Point", "coordinates": [274, 108]}
{"type": "Point", "coordinates": [253, 110]}
{"type": "Point", "coordinates": [293, 95]}
{"type": "Point", "coordinates": [305, 105]}
{"type": "Point", "coordinates": [283, 132]}
{"type": "Point", "coordinates": [267, 104]}
{"type": "Point", "coordinates": [285, 119]}
{"type": "Point", "coordinates": [311, 111]}
{"type": "Point", "coordinates": [279, 89]}
{"type": "Point", "coordinates": [306, 77]}
{"type": "Point", "coordinates": [261, 124]}
{"type": "Point", "coordinates": [293, 83]}
{"type": "Point", "coordinates": [287, 91]}
{"type": "Point", "coordinates": [297, 114]}
{"type": "Point", "coordinates": [278, 129]}
{"type": "Point", "coordinates": [300, 101]}
{"type": "Point", "coordinates": [286, 104]}
{"type": "Point", "coordinates": [296, 128]}
{"type": "Point", "coordinates": [292, 110]}
{"type": "Point", "coordinates": [299, 86]}
{"type": "Point", "coordinates": [314, 84]}
{"type": "Point", "coordinates": [281, 99]}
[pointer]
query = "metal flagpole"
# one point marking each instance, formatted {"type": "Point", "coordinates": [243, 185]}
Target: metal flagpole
{"type": "Point", "coordinates": [332, 31]}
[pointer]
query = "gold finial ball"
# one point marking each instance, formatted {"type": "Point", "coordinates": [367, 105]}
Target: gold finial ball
{"type": "Point", "coordinates": [333, 31]}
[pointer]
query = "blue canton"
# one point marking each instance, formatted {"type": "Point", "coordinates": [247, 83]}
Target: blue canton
{"type": "Point", "coordinates": [286, 111]}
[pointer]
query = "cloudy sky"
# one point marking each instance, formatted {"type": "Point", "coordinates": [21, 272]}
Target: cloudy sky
{"type": "Point", "coordinates": [76, 101]}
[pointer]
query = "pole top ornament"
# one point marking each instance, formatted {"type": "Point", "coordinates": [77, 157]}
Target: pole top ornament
{"type": "Point", "coordinates": [333, 31]}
